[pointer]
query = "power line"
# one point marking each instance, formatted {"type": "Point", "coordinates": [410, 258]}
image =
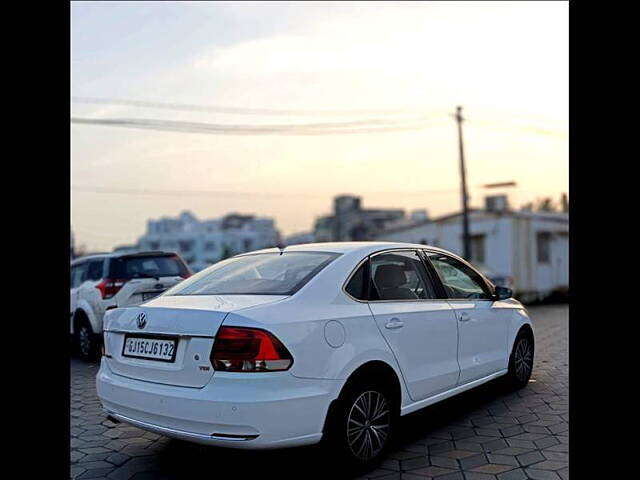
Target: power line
{"type": "Point", "coordinates": [237, 110]}
{"type": "Point", "coordinates": [365, 126]}
{"type": "Point", "coordinates": [551, 132]}
{"type": "Point", "coordinates": [334, 128]}
{"type": "Point", "coordinates": [284, 112]}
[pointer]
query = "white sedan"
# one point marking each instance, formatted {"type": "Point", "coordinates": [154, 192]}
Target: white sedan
{"type": "Point", "coordinates": [327, 341]}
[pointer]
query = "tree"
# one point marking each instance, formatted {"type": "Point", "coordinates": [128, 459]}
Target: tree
{"type": "Point", "coordinates": [544, 204]}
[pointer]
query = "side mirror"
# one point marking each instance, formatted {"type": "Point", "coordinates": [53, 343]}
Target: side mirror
{"type": "Point", "coordinates": [503, 293]}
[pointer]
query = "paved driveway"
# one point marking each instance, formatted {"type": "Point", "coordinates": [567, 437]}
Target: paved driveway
{"type": "Point", "coordinates": [483, 434]}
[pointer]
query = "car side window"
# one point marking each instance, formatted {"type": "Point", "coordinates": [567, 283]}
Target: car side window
{"type": "Point", "coordinates": [94, 271]}
{"type": "Point", "coordinates": [356, 286]}
{"type": "Point", "coordinates": [459, 281]}
{"type": "Point", "coordinates": [399, 276]}
{"type": "Point", "coordinates": [78, 275]}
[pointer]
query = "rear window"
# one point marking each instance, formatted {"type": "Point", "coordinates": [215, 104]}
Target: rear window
{"type": "Point", "coordinates": [257, 274]}
{"type": "Point", "coordinates": [148, 267]}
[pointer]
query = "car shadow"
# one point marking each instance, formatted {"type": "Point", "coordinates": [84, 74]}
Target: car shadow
{"type": "Point", "coordinates": [418, 425]}
{"type": "Point", "coordinates": [180, 459]}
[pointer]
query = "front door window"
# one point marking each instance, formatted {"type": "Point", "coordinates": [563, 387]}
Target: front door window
{"type": "Point", "coordinates": [459, 280]}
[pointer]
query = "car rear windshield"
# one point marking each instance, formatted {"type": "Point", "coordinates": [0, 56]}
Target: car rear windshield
{"type": "Point", "coordinates": [256, 274]}
{"type": "Point", "coordinates": [151, 266]}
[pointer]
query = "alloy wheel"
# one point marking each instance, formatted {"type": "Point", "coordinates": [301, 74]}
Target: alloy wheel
{"type": "Point", "coordinates": [84, 337]}
{"type": "Point", "coordinates": [368, 425]}
{"type": "Point", "coordinates": [523, 359]}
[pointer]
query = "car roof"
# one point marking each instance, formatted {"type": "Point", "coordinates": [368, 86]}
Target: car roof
{"type": "Point", "coordinates": [101, 256]}
{"type": "Point", "coordinates": [364, 248]}
{"type": "Point", "coordinates": [330, 280]}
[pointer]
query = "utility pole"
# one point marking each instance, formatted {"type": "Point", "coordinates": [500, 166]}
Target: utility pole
{"type": "Point", "coordinates": [463, 178]}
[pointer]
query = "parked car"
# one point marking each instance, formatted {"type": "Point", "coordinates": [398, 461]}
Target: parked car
{"type": "Point", "coordinates": [104, 281]}
{"type": "Point", "coordinates": [326, 342]}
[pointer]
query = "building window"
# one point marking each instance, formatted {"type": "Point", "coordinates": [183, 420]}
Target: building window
{"type": "Point", "coordinates": [185, 245]}
{"type": "Point", "coordinates": [477, 248]}
{"type": "Point", "coordinates": [543, 243]}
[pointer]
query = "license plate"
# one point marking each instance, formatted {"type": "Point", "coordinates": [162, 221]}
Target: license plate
{"type": "Point", "coordinates": [163, 349]}
{"type": "Point", "coordinates": [150, 295]}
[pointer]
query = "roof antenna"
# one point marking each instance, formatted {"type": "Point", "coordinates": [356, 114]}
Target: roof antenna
{"type": "Point", "coordinates": [281, 247]}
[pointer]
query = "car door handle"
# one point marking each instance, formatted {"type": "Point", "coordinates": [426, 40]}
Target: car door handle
{"type": "Point", "coordinates": [464, 317]}
{"type": "Point", "coordinates": [394, 323]}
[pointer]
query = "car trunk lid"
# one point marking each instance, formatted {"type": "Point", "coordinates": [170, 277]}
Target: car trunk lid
{"type": "Point", "coordinates": [140, 290]}
{"type": "Point", "coordinates": [189, 323]}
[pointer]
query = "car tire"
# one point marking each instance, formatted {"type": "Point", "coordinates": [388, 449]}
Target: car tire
{"type": "Point", "coordinates": [87, 342]}
{"type": "Point", "coordinates": [361, 425]}
{"type": "Point", "coordinates": [521, 360]}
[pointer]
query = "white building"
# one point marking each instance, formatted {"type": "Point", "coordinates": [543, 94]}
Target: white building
{"type": "Point", "coordinates": [530, 248]}
{"type": "Point", "coordinates": [202, 243]}
{"type": "Point", "coordinates": [350, 221]}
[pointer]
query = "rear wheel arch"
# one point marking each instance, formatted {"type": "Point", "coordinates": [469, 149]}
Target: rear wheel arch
{"type": "Point", "coordinates": [89, 314]}
{"type": "Point", "coordinates": [80, 316]}
{"type": "Point", "coordinates": [86, 339]}
{"type": "Point", "coordinates": [374, 371]}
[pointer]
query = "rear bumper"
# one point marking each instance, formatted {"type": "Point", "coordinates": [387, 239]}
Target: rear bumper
{"type": "Point", "coordinates": [253, 411]}
{"type": "Point", "coordinates": [172, 432]}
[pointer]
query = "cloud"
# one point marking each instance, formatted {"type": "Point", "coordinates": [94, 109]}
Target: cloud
{"type": "Point", "coordinates": [499, 60]}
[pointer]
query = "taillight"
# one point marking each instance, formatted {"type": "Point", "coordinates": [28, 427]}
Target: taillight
{"type": "Point", "coordinates": [241, 349]}
{"type": "Point", "coordinates": [103, 346]}
{"type": "Point", "coordinates": [185, 275]}
{"type": "Point", "coordinates": [109, 287]}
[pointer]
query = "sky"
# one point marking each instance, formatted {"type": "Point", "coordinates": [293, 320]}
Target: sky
{"type": "Point", "coordinates": [305, 63]}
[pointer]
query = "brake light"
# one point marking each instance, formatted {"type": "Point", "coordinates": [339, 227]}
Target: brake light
{"type": "Point", "coordinates": [185, 271]}
{"type": "Point", "coordinates": [109, 287]}
{"type": "Point", "coordinates": [241, 349]}
{"type": "Point", "coordinates": [103, 346]}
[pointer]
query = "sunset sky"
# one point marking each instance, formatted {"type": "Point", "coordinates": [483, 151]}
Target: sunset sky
{"type": "Point", "coordinates": [506, 63]}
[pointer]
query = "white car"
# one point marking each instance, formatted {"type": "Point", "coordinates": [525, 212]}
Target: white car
{"type": "Point", "coordinates": [327, 341]}
{"type": "Point", "coordinates": [104, 281]}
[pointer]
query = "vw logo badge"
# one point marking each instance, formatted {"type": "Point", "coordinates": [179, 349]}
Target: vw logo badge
{"type": "Point", "coordinates": [141, 320]}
